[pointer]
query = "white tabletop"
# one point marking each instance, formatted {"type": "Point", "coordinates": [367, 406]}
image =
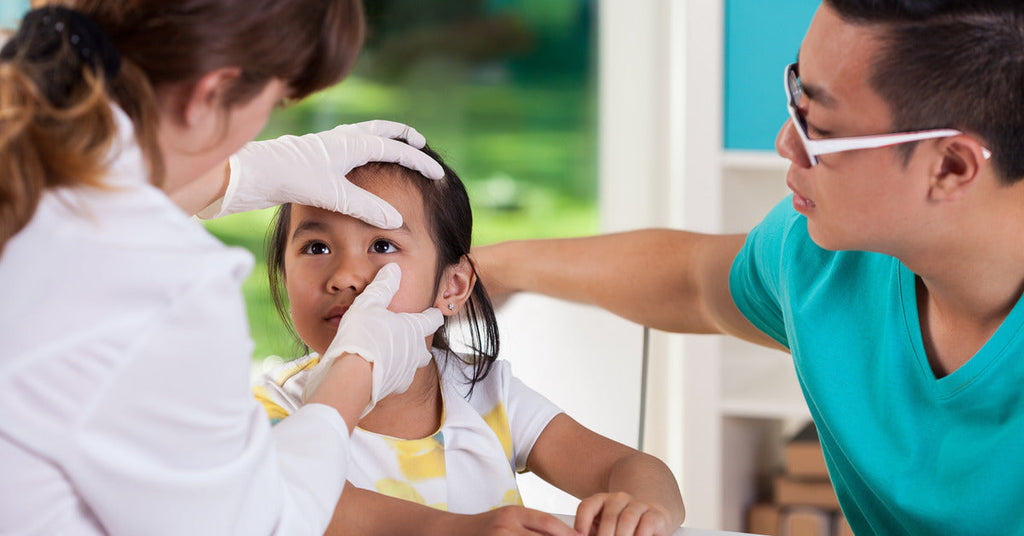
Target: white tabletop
{"type": "Point", "coordinates": [681, 531]}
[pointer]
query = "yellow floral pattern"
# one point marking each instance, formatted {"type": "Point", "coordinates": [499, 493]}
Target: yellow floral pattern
{"type": "Point", "coordinates": [474, 437]}
{"type": "Point", "coordinates": [419, 459]}
{"type": "Point", "coordinates": [497, 420]}
{"type": "Point", "coordinates": [399, 490]}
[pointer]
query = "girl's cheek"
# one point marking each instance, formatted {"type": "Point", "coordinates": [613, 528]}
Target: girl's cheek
{"type": "Point", "coordinates": [414, 298]}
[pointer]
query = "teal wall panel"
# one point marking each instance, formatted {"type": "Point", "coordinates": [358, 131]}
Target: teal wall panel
{"type": "Point", "coordinates": [761, 38]}
{"type": "Point", "coordinates": [11, 12]}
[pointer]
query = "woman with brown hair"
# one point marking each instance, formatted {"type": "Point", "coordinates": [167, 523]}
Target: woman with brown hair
{"type": "Point", "coordinates": [124, 352]}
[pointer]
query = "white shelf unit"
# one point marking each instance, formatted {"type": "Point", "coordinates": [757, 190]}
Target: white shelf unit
{"type": "Point", "coordinates": [718, 408]}
{"type": "Point", "coordinates": [740, 400]}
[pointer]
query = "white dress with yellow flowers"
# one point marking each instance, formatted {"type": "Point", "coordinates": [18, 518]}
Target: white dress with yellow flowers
{"type": "Point", "coordinates": [468, 466]}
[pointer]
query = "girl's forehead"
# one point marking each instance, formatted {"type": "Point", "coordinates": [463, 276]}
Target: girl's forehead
{"type": "Point", "coordinates": [403, 197]}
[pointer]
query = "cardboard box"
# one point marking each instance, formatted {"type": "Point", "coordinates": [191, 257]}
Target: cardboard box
{"type": "Point", "coordinates": [819, 493]}
{"type": "Point", "coordinates": [805, 521]}
{"type": "Point", "coordinates": [763, 518]}
{"type": "Point", "coordinates": [841, 528]}
{"type": "Point", "coordinates": [803, 455]}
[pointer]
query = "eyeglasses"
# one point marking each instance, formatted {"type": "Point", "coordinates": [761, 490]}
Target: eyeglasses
{"type": "Point", "coordinates": [813, 148]}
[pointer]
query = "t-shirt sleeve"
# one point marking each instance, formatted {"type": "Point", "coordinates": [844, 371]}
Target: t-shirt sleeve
{"type": "Point", "coordinates": [529, 412]}
{"type": "Point", "coordinates": [755, 280]}
{"type": "Point", "coordinates": [280, 389]}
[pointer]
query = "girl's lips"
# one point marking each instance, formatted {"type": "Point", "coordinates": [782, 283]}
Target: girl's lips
{"type": "Point", "coordinates": [333, 316]}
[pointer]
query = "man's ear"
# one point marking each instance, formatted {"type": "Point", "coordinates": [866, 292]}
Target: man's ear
{"type": "Point", "coordinates": [456, 287]}
{"type": "Point", "coordinates": [962, 159]}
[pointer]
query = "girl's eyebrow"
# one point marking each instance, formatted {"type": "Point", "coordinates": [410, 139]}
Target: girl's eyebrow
{"type": "Point", "coordinates": [307, 226]}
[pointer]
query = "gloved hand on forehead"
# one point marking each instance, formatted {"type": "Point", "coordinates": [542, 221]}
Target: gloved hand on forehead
{"type": "Point", "coordinates": [393, 342]}
{"type": "Point", "coordinates": [310, 170]}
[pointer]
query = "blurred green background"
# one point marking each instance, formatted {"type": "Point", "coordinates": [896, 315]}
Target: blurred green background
{"type": "Point", "coordinates": [503, 90]}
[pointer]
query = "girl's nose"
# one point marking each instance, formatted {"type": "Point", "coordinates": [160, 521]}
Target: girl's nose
{"type": "Point", "coordinates": [789, 146]}
{"type": "Point", "coordinates": [351, 272]}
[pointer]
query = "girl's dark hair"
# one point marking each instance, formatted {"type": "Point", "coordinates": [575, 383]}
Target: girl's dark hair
{"type": "Point", "coordinates": [450, 222]}
{"type": "Point", "coordinates": [951, 64]}
{"type": "Point", "coordinates": [62, 138]}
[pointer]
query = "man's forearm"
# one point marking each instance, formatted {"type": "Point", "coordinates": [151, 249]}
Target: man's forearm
{"type": "Point", "coordinates": [657, 277]}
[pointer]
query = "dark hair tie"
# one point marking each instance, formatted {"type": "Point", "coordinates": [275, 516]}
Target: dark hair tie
{"type": "Point", "coordinates": [44, 31]}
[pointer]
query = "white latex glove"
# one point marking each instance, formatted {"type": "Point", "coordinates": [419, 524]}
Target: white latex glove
{"type": "Point", "coordinates": [310, 170]}
{"type": "Point", "coordinates": [393, 342]}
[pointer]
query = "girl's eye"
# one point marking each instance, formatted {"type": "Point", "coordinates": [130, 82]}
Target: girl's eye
{"type": "Point", "coordinates": [316, 248]}
{"type": "Point", "coordinates": [382, 246]}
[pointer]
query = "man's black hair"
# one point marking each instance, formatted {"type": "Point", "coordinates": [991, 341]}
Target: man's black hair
{"type": "Point", "coordinates": [951, 64]}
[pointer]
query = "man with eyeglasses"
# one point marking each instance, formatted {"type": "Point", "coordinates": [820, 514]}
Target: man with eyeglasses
{"type": "Point", "coordinates": [893, 274]}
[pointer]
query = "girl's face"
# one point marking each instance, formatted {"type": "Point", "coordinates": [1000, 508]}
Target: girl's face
{"type": "Point", "coordinates": [330, 258]}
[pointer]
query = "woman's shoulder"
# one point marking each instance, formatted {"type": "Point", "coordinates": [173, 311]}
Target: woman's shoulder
{"type": "Point", "coordinates": [116, 269]}
{"type": "Point", "coordinates": [134, 236]}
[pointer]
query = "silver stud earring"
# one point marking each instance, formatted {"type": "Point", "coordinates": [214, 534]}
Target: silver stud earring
{"type": "Point", "coordinates": [451, 306]}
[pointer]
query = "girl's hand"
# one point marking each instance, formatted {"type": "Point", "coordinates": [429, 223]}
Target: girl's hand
{"type": "Point", "coordinates": [619, 513]}
{"type": "Point", "coordinates": [511, 520]}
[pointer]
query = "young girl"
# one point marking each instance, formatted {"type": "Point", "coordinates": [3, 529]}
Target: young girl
{"type": "Point", "coordinates": [456, 437]}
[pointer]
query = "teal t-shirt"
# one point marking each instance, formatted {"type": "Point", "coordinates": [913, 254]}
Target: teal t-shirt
{"type": "Point", "coordinates": [907, 453]}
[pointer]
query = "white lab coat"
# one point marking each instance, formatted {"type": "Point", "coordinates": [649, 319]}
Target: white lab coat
{"type": "Point", "coordinates": [125, 405]}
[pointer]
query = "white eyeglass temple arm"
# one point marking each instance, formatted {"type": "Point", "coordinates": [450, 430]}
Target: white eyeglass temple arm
{"type": "Point", "coordinates": [819, 147]}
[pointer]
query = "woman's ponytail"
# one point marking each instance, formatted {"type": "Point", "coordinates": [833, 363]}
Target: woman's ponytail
{"type": "Point", "coordinates": [56, 124]}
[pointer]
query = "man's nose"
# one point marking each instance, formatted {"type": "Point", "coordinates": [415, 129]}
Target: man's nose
{"type": "Point", "coordinates": [789, 146]}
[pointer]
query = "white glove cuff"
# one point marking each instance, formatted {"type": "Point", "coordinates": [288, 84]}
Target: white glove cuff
{"type": "Point", "coordinates": [223, 206]}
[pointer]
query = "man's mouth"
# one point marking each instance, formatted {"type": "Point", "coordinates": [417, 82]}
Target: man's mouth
{"type": "Point", "coordinates": [801, 202]}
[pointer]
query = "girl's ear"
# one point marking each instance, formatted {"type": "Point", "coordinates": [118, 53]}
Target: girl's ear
{"type": "Point", "coordinates": [456, 287]}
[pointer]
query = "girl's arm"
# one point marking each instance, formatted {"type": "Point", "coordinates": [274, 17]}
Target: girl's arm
{"type": "Point", "coordinates": [620, 486]}
{"type": "Point", "coordinates": [366, 512]}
